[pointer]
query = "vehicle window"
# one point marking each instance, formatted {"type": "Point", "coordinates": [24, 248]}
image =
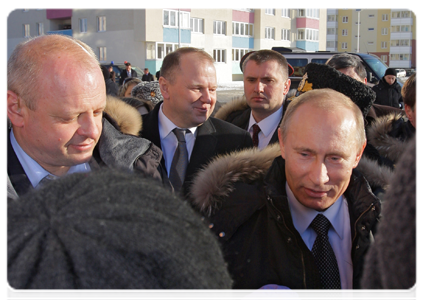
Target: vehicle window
{"type": "Point", "coordinates": [319, 60]}
{"type": "Point", "coordinates": [299, 65]}
{"type": "Point", "coordinates": [377, 67]}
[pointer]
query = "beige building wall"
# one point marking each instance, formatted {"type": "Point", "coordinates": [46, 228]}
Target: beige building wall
{"type": "Point", "coordinates": [345, 13]}
{"type": "Point", "coordinates": [381, 24]}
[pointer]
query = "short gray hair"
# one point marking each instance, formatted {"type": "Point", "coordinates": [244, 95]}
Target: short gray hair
{"type": "Point", "coordinates": [24, 67]}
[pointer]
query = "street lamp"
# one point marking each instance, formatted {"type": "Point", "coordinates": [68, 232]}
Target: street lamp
{"type": "Point", "coordinates": [358, 30]}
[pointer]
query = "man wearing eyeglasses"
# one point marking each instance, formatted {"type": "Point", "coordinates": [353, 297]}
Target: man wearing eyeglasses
{"type": "Point", "coordinates": [57, 121]}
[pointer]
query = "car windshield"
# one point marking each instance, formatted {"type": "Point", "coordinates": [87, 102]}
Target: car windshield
{"type": "Point", "coordinates": [378, 66]}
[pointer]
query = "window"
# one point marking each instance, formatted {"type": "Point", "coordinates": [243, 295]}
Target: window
{"type": "Point", "coordinates": [396, 43]}
{"type": "Point", "coordinates": [40, 29]}
{"type": "Point", "coordinates": [151, 51]}
{"type": "Point", "coordinates": [312, 13]}
{"type": "Point", "coordinates": [83, 25]}
{"type": "Point", "coordinates": [197, 25]}
{"type": "Point", "coordinates": [385, 17]}
{"type": "Point", "coordinates": [170, 18]}
{"type": "Point", "coordinates": [301, 12]}
{"type": "Point", "coordinates": [344, 19]}
{"type": "Point", "coordinates": [285, 12]}
{"type": "Point", "coordinates": [370, 43]}
{"type": "Point", "coordinates": [242, 29]}
{"type": "Point", "coordinates": [344, 45]}
{"type": "Point", "coordinates": [384, 45]}
{"type": "Point", "coordinates": [285, 35]}
{"type": "Point", "coordinates": [238, 53]}
{"type": "Point", "coordinates": [400, 14]}
{"type": "Point", "coordinates": [331, 44]}
{"type": "Point", "coordinates": [219, 27]}
{"type": "Point", "coordinates": [331, 31]}
{"type": "Point", "coordinates": [384, 58]}
{"type": "Point", "coordinates": [26, 30]}
{"type": "Point", "coordinates": [308, 34]}
{"type": "Point", "coordinates": [400, 57]}
{"type": "Point", "coordinates": [301, 34]}
{"type": "Point", "coordinates": [269, 11]}
{"type": "Point", "coordinates": [371, 29]}
{"type": "Point", "coordinates": [332, 18]}
{"type": "Point", "coordinates": [344, 32]}
{"type": "Point", "coordinates": [102, 53]}
{"type": "Point", "coordinates": [269, 33]}
{"type": "Point", "coordinates": [371, 16]}
{"type": "Point", "coordinates": [219, 55]}
{"type": "Point", "coordinates": [385, 31]}
{"type": "Point", "coordinates": [101, 24]}
{"type": "Point", "coordinates": [400, 28]}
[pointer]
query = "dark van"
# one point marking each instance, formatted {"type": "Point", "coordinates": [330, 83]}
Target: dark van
{"type": "Point", "coordinates": [299, 59]}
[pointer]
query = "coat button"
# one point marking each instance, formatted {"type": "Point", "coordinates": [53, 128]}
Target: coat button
{"type": "Point", "coordinates": [211, 225]}
{"type": "Point", "coordinates": [222, 234]}
{"type": "Point", "coordinates": [363, 228]}
{"type": "Point", "coordinates": [358, 246]}
{"type": "Point", "coordinates": [289, 240]}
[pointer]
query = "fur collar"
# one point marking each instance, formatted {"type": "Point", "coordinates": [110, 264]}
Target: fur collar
{"type": "Point", "coordinates": [127, 117]}
{"type": "Point", "coordinates": [238, 104]}
{"type": "Point", "coordinates": [377, 135]}
{"type": "Point", "coordinates": [218, 178]}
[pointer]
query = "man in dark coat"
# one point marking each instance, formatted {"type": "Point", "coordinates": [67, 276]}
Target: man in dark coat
{"type": "Point", "coordinates": [188, 86]}
{"type": "Point", "coordinates": [128, 72]}
{"type": "Point", "coordinates": [266, 84]}
{"type": "Point", "coordinates": [147, 76]}
{"type": "Point", "coordinates": [262, 209]}
{"type": "Point", "coordinates": [61, 129]}
{"type": "Point", "coordinates": [388, 90]}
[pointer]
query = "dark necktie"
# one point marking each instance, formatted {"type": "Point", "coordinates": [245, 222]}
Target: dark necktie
{"type": "Point", "coordinates": [323, 254]}
{"type": "Point", "coordinates": [180, 160]}
{"type": "Point", "coordinates": [256, 130]}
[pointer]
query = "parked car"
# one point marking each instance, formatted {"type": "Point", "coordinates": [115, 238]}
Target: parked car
{"type": "Point", "coordinates": [118, 68]}
{"type": "Point", "coordinates": [299, 58]}
{"type": "Point", "coordinates": [401, 72]}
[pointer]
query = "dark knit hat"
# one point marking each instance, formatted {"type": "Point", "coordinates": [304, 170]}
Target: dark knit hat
{"type": "Point", "coordinates": [148, 90]}
{"type": "Point", "coordinates": [110, 230]}
{"type": "Point", "coordinates": [318, 76]}
{"type": "Point", "coordinates": [390, 71]}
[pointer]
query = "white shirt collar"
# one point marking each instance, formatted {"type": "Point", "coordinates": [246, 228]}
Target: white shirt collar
{"type": "Point", "coordinates": [33, 170]}
{"type": "Point", "coordinates": [166, 126]}
{"type": "Point", "coordinates": [268, 124]}
{"type": "Point", "coordinates": [303, 216]}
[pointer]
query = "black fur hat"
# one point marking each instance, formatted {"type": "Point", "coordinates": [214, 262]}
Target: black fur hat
{"type": "Point", "coordinates": [110, 230]}
{"type": "Point", "coordinates": [318, 76]}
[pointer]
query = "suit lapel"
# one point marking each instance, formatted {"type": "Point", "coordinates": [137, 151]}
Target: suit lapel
{"type": "Point", "coordinates": [16, 173]}
{"type": "Point", "coordinates": [204, 148]}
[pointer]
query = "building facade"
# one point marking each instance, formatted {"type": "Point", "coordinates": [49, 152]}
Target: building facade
{"type": "Point", "coordinates": [389, 34]}
{"type": "Point", "coordinates": [144, 36]}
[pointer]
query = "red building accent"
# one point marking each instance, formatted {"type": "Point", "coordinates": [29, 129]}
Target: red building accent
{"type": "Point", "coordinates": [58, 13]}
{"type": "Point", "coordinates": [242, 16]}
{"type": "Point", "coordinates": [307, 23]}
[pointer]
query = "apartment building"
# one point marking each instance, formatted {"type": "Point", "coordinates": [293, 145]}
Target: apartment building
{"type": "Point", "coordinates": [144, 36]}
{"type": "Point", "coordinates": [388, 33]}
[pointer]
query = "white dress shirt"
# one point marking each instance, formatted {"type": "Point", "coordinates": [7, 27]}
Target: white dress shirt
{"type": "Point", "coordinates": [33, 170]}
{"type": "Point", "coordinates": [267, 127]}
{"type": "Point", "coordinates": [168, 139]}
{"type": "Point", "coordinates": [339, 233]}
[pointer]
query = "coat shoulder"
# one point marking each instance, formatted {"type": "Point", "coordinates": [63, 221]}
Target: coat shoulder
{"type": "Point", "coordinates": [217, 180]}
{"type": "Point", "coordinates": [227, 111]}
{"type": "Point", "coordinates": [127, 117]}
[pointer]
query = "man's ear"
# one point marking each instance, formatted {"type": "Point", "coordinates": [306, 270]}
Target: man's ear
{"type": "Point", "coordinates": [287, 86]}
{"type": "Point", "coordinates": [359, 155]}
{"type": "Point", "coordinates": [15, 109]}
{"type": "Point", "coordinates": [281, 144]}
{"type": "Point", "coordinates": [164, 87]}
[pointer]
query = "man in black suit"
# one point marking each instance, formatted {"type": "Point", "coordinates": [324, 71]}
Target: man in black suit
{"type": "Point", "coordinates": [127, 73]}
{"type": "Point", "coordinates": [147, 75]}
{"type": "Point", "coordinates": [188, 85]}
{"type": "Point", "coordinates": [266, 84]}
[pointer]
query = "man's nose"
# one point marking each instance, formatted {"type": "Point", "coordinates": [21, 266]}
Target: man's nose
{"type": "Point", "coordinates": [319, 174]}
{"type": "Point", "coordinates": [88, 126]}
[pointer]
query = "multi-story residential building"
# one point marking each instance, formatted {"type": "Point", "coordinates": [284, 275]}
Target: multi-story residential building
{"type": "Point", "coordinates": [388, 33]}
{"type": "Point", "coordinates": [144, 36]}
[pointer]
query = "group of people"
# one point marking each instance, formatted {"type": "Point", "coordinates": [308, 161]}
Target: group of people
{"type": "Point", "coordinates": [269, 193]}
